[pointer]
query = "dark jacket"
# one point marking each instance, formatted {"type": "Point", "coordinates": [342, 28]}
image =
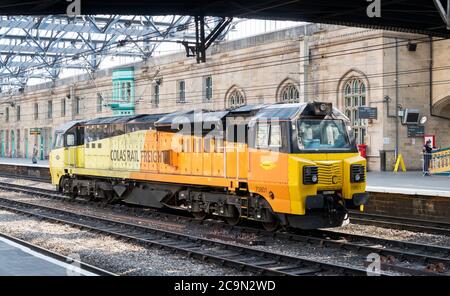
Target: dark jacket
{"type": "Point", "coordinates": [427, 148]}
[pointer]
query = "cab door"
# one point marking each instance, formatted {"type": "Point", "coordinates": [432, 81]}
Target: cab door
{"type": "Point", "coordinates": [56, 159]}
{"type": "Point", "coordinates": [70, 149]}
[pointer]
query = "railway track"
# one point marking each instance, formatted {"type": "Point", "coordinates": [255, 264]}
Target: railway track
{"type": "Point", "coordinates": [405, 257]}
{"type": "Point", "coordinates": [31, 178]}
{"type": "Point", "coordinates": [43, 251]}
{"type": "Point", "coordinates": [416, 225]}
{"type": "Point", "coordinates": [225, 254]}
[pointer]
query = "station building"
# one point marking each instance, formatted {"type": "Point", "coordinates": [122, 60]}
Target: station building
{"type": "Point", "coordinates": [350, 67]}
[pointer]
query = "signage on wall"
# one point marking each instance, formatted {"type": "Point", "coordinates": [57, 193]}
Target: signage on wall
{"type": "Point", "coordinates": [430, 137]}
{"type": "Point", "coordinates": [416, 131]}
{"type": "Point", "coordinates": [35, 131]}
{"type": "Point", "coordinates": [367, 113]}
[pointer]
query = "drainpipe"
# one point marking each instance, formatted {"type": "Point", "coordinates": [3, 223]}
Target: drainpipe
{"type": "Point", "coordinates": [396, 99]}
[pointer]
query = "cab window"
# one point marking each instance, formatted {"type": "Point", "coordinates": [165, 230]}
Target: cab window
{"type": "Point", "coordinates": [275, 135]}
{"type": "Point", "coordinates": [262, 135]}
{"type": "Point", "coordinates": [268, 135]}
{"type": "Point", "coordinates": [70, 140]}
{"type": "Point", "coordinates": [58, 143]}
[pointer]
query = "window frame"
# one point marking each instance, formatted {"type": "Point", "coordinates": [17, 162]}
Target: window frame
{"type": "Point", "coordinates": [181, 91]}
{"type": "Point", "coordinates": [156, 91]}
{"type": "Point", "coordinates": [287, 94]}
{"type": "Point", "coordinates": [207, 88]}
{"type": "Point", "coordinates": [49, 109]}
{"type": "Point", "coordinates": [77, 105]}
{"type": "Point", "coordinates": [18, 113]}
{"type": "Point", "coordinates": [66, 144]}
{"type": "Point", "coordinates": [36, 111]}
{"type": "Point", "coordinates": [99, 104]}
{"type": "Point", "coordinates": [63, 107]}
{"type": "Point", "coordinates": [355, 96]}
{"type": "Point", "coordinates": [236, 94]}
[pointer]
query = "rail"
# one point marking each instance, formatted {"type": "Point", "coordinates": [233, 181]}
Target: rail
{"type": "Point", "coordinates": [409, 258]}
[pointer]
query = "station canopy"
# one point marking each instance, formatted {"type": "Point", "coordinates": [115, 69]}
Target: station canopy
{"type": "Point", "coordinates": [40, 47]}
{"type": "Point", "coordinates": [40, 38]}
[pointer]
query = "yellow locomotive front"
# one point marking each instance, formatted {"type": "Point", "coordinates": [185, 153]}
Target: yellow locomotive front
{"type": "Point", "coordinates": [315, 164]}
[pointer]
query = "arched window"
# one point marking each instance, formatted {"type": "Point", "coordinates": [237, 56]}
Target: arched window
{"type": "Point", "coordinates": [289, 94]}
{"type": "Point", "coordinates": [354, 97]}
{"type": "Point", "coordinates": [235, 99]}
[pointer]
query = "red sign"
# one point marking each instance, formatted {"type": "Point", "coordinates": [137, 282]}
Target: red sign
{"type": "Point", "coordinates": [430, 137]}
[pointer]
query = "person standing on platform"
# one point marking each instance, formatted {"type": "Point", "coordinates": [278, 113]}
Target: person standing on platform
{"type": "Point", "coordinates": [427, 149]}
{"type": "Point", "coordinates": [35, 153]}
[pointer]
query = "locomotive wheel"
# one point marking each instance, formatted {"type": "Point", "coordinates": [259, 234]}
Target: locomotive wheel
{"type": "Point", "coordinates": [271, 226]}
{"type": "Point", "coordinates": [235, 219]}
{"type": "Point", "coordinates": [199, 215]}
{"type": "Point", "coordinates": [73, 193]}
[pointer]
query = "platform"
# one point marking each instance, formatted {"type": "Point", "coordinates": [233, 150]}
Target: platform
{"type": "Point", "coordinates": [18, 260]}
{"type": "Point", "coordinates": [24, 162]}
{"type": "Point", "coordinates": [410, 183]}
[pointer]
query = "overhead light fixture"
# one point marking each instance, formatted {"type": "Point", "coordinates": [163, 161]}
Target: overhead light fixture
{"type": "Point", "coordinates": [411, 46]}
{"type": "Point", "coordinates": [423, 120]}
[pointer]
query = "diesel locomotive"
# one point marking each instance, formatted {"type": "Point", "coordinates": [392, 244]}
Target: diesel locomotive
{"type": "Point", "coordinates": [294, 165]}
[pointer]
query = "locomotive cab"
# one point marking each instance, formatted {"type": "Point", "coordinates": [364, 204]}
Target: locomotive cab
{"type": "Point", "coordinates": [305, 152]}
{"type": "Point", "coordinates": [66, 152]}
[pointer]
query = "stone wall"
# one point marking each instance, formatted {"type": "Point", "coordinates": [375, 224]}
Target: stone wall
{"type": "Point", "coordinates": [410, 206]}
{"type": "Point", "coordinates": [317, 59]}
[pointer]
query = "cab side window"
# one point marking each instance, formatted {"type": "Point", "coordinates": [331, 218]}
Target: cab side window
{"type": "Point", "coordinates": [58, 141]}
{"type": "Point", "coordinates": [268, 135]}
{"type": "Point", "coordinates": [70, 140]}
{"type": "Point", "coordinates": [275, 135]}
{"type": "Point", "coordinates": [262, 135]}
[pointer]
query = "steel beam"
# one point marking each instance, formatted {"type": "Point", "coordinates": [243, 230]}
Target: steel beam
{"type": "Point", "coordinates": [444, 13]}
{"type": "Point", "coordinates": [41, 46]}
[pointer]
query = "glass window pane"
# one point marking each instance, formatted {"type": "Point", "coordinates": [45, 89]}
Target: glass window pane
{"type": "Point", "coordinates": [275, 135]}
{"type": "Point", "coordinates": [262, 136]}
{"type": "Point", "coordinates": [363, 100]}
{"type": "Point", "coordinates": [347, 101]}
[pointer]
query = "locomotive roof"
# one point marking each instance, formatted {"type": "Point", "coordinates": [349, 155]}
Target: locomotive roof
{"type": "Point", "coordinates": [273, 111]}
{"type": "Point", "coordinates": [281, 111]}
{"type": "Point", "coordinates": [68, 125]}
{"type": "Point", "coordinates": [248, 108]}
{"type": "Point", "coordinates": [147, 118]}
{"type": "Point", "coordinates": [192, 116]}
{"type": "Point", "coordinates": [112, 119]}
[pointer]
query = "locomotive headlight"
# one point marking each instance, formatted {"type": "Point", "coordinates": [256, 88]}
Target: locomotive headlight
{"type": "Point", "coordinates": [357, 173]}
{"type": "Point", "coordinates": [310, 175]}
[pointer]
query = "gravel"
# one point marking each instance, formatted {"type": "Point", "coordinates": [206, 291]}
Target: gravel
{"type": "Point", "coordinates": [105, 252]}
{"type": "Point", "coordinates": [25, 182]}
{"type": "Point", "coordinates": [395, 234]}
{"type": "Point", "coordinates": [312, 252]}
